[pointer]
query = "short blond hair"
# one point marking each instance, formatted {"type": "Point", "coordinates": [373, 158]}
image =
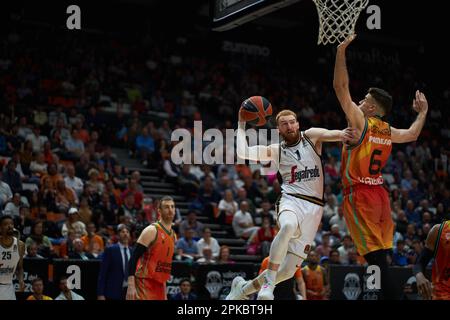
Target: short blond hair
{"type": "Point", "coordinates": [285, 112]}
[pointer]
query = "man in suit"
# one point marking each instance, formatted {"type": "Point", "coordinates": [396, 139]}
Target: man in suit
{"type": "Point", "coordinates": [185, 291]}
{"type": "Point", "coordinates": [112, 279]}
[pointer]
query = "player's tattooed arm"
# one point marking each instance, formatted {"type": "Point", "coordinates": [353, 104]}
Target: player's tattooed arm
{"type": "Point", "coordinates": [342, 89]}
{"type": "Point", "coordinates": [255, 153]}
{"type": "Point", "coordinates": [420, 105]}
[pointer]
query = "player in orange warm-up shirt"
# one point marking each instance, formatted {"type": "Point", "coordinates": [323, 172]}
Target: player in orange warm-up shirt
{"type": "Point", "coordinates": [151, 262]}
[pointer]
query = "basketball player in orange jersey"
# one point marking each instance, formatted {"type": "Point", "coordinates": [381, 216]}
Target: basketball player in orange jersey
{"type": "Point", "coordinates": [151, 262]}
{"type": "Point", "coordinates": [366, 203]}
{"type": "Point", "coordinates": [437, 246]}
{"type": "Point", "coordinates": [315, 278]}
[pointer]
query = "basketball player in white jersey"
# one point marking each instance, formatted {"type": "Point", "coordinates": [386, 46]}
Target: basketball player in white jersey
{"type": "Point", "coordinates": [11, 259]}
{"type": "Point", "coordinates": [300, 206]}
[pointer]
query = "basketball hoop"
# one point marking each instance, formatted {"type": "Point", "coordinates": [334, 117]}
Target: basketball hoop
{"type": "Point", "coordinates": [337, 19]}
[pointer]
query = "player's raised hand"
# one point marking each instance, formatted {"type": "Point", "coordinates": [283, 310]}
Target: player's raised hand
{"type": "Point", "coordinates": [344, 44]}
{"type": "Point", "coordinates": [420, 103]}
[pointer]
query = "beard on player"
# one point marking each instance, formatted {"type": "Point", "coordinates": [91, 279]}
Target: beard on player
{"type": "Point", "coordinates": [290, 135]}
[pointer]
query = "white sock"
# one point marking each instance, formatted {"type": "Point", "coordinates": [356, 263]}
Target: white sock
{"type": "Point", "coordinates": [271, 276]}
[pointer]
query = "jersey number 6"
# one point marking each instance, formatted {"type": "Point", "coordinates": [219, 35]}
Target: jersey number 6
{"type": "Point", "coordinates": [375, 164]}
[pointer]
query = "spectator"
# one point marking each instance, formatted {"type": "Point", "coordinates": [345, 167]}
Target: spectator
{"type": "Point", "coordinates": [187, 246]}
{"type": "Point", "coordinates": [37, 286]}
{"type": "Point", "coordinates": [242, 196]}
{"type": "Point", "coordinates": [44, 246]}
{"type": "Point", "coordinates": [400, 256]}
{"type": "Point", "coordinates": [24, 222]}
{"type": "Point", "coordinates": [185, 291]}
{"type": "Point", "coordinates": [74, 146]}
{"type": "Point", "coordinates": [93, 243]}
{"type": "Point", "coordinates": [78, 251]}
{"type": "Point", "coordinates": [13, 208]}
{"type": "Point", "coordinates": [94, 182]}
{"type": "Point", "coordinates": [227, 208]}
{"type": "Point", "coordinates": [192, 223]}
{"type": "Point", "coordinates": [72, 181]}
{"type": "Point", "coordinates": [12, 178]}
{"type": "Point", "coordinates": [339, 220]}
{"type": "Point", "coordinates": [145, 145]}
{"type": "Point", "coordinates": [5, 191]}
{"type": "Point", "coordinates": [187, 182]}
{"type": "Point", "coordinates": [324, 248]}
{"type": "Point", "coordinates": [347, 244]}
{"type": "Point", "coordinates": [37, 140]}
{"type": "Point", "coordinates": [353, 257]}
{"type": "Point", "coordinates": [243, 222]}
{"type": "Point", "coordinates": [411, 234]}
{"type": "Point", "coordinates": [414, 253]}
{"type": "Point", "coordinates": [85, 212]}
{"type": "Point", "coordinates": [330, 209]}
{"type": "Point", "coordinates": [334, 257]}
{"type": "Point", "coordinates": [402, 222]}
{"type": "Point", "coordinates": [113, 275]}
{"type": "Point", "coordinates": [119, 178]}
{"type": "Point", "coordinates": [335, 236]}
{"type": "Point", "coordinates": [66, 293]}
{"type": "Point", "coordinates": [224, 255]}
{"type": "Point", "coordinates": [261, 240]}
{"type": "Point", "coordinates": [206, 256]}
{"type": "Point", "coordinates": [265, 212]}
{"type": "Point", "coordinates": [128, 209]}
{"type": "Point", "coordinates": [65, 197]}
{"type": "Point", "coordinates": [208, 242]}
{"type": "Point", "coordinates": [38, 166]}
{"type": "Point", "coordinates": [32, 252]}
{"type": "Point", "coordinates": [73, 224]}
{"type": "Point", "coordinates": [411, 214]}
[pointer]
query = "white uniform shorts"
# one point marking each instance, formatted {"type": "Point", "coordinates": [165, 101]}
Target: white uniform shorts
{"type": "Point", "coordinates": [308, 215]}
{"type": "Point", "coordinates": [7, 292]}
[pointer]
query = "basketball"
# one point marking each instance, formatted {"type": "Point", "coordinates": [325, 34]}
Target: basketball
{"type": "Point", "coordinates": [256, 110]}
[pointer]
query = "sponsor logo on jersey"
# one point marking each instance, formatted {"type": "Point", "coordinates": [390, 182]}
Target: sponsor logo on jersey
{"type": "Point", "coordinates": [304, 175]}
{"type": "Point", "coordinates": [378, 140]}
{"type": "Point", "coordinates": [6, 270]}
{"type": "Point", "coordinates": [163, 267]}
{"type": "Point", "coordinates": [371, 181]}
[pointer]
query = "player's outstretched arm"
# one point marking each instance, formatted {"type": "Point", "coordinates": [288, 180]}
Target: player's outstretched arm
{"type": "Point", "coordinates": [325, 135]}
{"type": "Point", "coordinates": [420, 105]}
{"type": "Point", "coordinates": [146, 238]}
{"type": "Point", "coordinates": [342, 89]}
{"type": "Point", "coordinates": [423, 285]}
{"type": "Point", "coordinates": [255, 153]}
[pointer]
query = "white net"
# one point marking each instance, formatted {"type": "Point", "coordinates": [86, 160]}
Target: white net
{"type": "Point", "coordinates": [337, 19]}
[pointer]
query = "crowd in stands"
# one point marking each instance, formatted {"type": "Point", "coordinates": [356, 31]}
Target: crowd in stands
{"type": "Point", "coordinates": [68, 192]}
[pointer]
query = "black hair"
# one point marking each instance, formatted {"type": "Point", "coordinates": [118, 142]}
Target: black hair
{"type": "Point", "coordinates": [4, 217]}
{"type": "Point", "coordinates": [185, 280]}
{"type": "Point", "coordinates": [383, 99]}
